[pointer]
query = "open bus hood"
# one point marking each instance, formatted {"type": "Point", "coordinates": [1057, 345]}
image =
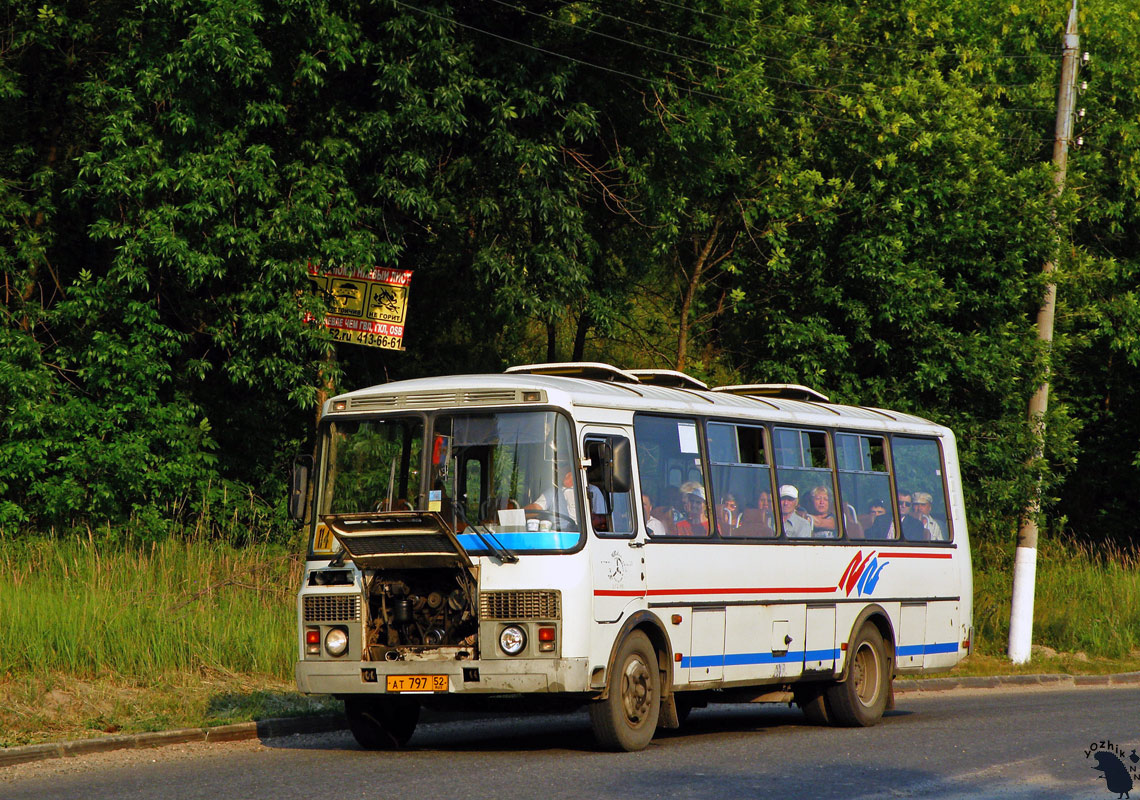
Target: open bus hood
{"type": "Point", "coordinates": [397, 539]}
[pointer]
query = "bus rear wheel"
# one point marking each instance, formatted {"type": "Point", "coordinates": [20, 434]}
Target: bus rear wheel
{"type": "Point", "coordinates": [627, 718]}
{"type": "Point", "coordinates": [860, 701]}
{"type": "Point", "coordinates": [382, 723]}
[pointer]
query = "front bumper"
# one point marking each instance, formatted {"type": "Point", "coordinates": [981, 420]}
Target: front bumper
{"type": "Point", "coordinates": [495, 676]}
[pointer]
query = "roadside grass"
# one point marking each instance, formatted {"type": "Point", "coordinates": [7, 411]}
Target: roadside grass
{"type": "Point", "coordinates": [1087, 602]}
{"type": "Point", "coordinates": [98, 639]}
{"type": "Point", "coordinates": [102, 639]}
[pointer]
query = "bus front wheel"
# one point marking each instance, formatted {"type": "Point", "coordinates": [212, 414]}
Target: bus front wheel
{"type": "Point", "coordinates": [627, 718]}
{"type": "Point", "coordinates": [860, 701]}
{"type": "Point", "coordinates": [382, 723]}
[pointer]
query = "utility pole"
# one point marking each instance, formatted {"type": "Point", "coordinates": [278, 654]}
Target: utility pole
{"type": "Point", "coordinates": [1025, 561]}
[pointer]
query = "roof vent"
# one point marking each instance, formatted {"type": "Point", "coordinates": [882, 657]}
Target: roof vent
{"type": "Point", "coordinates": [668, 377]}
{"type": "Point", "coordinates": [587, 370]}
{"type": "Point", "coordinates": [780, 391]}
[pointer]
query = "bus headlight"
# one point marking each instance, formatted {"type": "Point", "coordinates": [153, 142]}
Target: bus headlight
{"type": "Point", "coordinates": [512, 639]}
{"type": "Point", "coordinates": [336, 641]}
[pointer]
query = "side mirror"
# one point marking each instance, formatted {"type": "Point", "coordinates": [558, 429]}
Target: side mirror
{"type": "Point", "coordinates": [299, 487]}
{"type": "Point", "coordinates": [621, 464]}
{"type": "Point", "coordinates": [611, 464]}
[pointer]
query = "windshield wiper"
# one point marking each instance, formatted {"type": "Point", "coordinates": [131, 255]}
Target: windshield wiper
{"type": "Point", "coordinates": [489, 541]}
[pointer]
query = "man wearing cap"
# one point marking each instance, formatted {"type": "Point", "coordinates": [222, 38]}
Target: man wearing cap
{"type": "Point", "coordinates": [795, 526]}
{"type": "Point", "coordinates": [923, 504]}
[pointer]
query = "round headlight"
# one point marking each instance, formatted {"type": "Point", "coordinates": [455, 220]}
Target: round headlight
{"type": "Point", "coordinates": [336, 641]}
{"type": "Point", "coordinates": [512, 639]}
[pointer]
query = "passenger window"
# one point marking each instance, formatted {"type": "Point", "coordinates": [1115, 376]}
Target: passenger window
{"type": "Point", "coordinates": [864, 486]}
{"type": "Point", "coordinates": [742, 481]}
{"type": "Point", "coordinates": [668, 449]}
{"type": "Point", "coordinates": [918, 473]}
{"type": "Point", "coordinates": [805, 485]}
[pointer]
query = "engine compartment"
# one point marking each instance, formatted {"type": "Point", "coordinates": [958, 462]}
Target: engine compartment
{"type": "Point", "coordinates": [421, 613]}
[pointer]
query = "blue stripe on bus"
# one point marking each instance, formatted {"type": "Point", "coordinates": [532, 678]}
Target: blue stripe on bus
{"type": "Point", "coordinates": [747, 659]}
{"type": "Point", "coordinates": [927, 649]}
{"type": "Point", "coordinates": [522, 540]}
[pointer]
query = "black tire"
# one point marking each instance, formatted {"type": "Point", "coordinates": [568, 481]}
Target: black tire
{"type": "Point", "coordinates": [812, 700]}
{"type": "Point", "coordinates": [382, 723]}
{"type": "Point", "coordinates": [627, 718]}
{"type": "Point", "coordinates": [861, 699]}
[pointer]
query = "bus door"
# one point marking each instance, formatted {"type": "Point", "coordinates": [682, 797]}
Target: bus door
{"type": "Point", "coordinates": [616, 540]}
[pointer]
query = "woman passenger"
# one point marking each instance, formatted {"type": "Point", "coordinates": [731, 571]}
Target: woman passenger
{"type": "Point", "coordinates": [822, 517]}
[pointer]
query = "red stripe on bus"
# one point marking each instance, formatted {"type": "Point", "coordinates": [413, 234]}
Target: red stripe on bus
{"type": "Point", "coordinates": [906, 554]}
{"type": "Point", "coordinates": [617, 593]}
{"type": "Point", "coordinates": [749, 590]}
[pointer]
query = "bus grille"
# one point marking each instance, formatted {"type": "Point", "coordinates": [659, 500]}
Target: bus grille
{"type": "Point", "coordinates": [519, 605]}
{"type": "Point", "coordinates": [332, 607]}
{"type": "Point", "coordinates": [439, 399]}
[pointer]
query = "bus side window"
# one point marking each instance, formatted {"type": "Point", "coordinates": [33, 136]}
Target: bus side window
{"type": "Point", "coordinates": [864, 485]}
{"type": "Point", "coordinates": [672, 477]}
{"type": "Point", "coordinates": [919, 473]}
{"type": "Point", "coordinates": [806, 484]}
{"type": "Point", "coordinates": [742, 480]}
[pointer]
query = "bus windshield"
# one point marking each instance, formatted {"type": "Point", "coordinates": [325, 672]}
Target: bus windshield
{"type": "Point", "coordinates": [503, 481]}
{"type": "Point", "coordinates": [372, 465]}
{"type": "Point", "coordinates": [508, 477]}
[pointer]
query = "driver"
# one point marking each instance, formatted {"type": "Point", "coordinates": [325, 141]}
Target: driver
{"type": "Point", "coordinates": [563, 501]}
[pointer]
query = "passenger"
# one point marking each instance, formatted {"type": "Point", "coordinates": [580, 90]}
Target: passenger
{"type": "Point", "coordinates": [795, 526]}
{"type": "Point", "coordinates": [875, 509]}
{"type": "Point", "coordinates": [822, 518]}
{"type": "Point", "coordinates": [884, 527]}
{"type": "Point", "coordinates": [653, 525]}
{"type": "Point", "coordinates": [923, 504]}
{"type": "Point", "coordinates": [728, 517]}
{"type": "Point", "coordinates": [912, 529]}
{"type": "Point", "coordinates": [696, 521]}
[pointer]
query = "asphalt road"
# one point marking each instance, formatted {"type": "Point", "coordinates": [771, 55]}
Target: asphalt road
{"type": "Point", "coordinates": [1028, 743]}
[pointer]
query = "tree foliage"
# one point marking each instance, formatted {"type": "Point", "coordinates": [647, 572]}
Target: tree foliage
{"type": "Point", "coordinates": [853, 196]}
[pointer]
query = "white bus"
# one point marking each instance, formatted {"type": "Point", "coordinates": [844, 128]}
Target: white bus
{"type": "Point", "coordinates": [629, 540]}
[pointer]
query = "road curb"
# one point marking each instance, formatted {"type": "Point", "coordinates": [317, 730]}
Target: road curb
{"type": "Point", "coordinates": [263, 729]}
{"type": "Point", "coordinates": [287, 726]}
{"type": "Point", "coordinates": [1010, 681]}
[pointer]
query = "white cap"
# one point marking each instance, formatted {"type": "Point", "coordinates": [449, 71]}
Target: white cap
{"type": "Point", "coordinates": [787, 490]}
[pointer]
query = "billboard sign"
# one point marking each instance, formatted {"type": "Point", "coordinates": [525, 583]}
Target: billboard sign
{"type": "Point", "coordinates": [366, 306]}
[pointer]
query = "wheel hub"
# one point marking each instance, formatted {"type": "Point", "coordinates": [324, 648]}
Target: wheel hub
{"type": "Point", "coordinates": [636, 691]}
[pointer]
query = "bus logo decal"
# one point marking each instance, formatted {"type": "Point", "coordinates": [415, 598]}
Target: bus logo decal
{"type": "Point", "coordinates": [862, 574]}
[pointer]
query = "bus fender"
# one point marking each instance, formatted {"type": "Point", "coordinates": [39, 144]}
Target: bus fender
{"type": "Point", "coordinates": [651, 624]}
{"type": "Point", "coordinates": [882, 620]}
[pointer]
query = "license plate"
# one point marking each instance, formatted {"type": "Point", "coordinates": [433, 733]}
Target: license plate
{"type": "Point", "coordinates": [417, 683]}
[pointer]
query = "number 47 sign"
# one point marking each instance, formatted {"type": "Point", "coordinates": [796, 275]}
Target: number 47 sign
{"type": "Point", "coordinates": [366, 306]}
